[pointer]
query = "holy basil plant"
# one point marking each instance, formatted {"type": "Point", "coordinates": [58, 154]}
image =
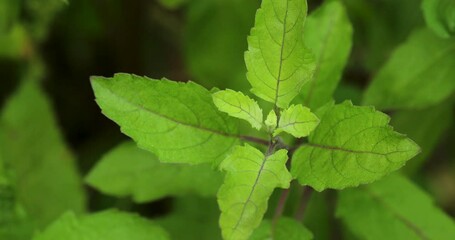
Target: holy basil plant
{"type": "Point", "coordinates": [198, 143]}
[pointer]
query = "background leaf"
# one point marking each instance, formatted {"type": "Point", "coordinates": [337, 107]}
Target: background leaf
{"type": "Point", "coordinates": [112, 225]}
{"type": "Point", "coordinates": [440, 16]}
{"type": "Point", "coordinates": [277, 60]}
{"type": "Point", "coordinates": [285, 229]}
{"type": "Point", "coordinates": [193, 218]}
{"type": "Point", "coordinates": [176, 121]}
{"type": "Point", "coordinates": [419, 74]}
{"type": "Point", "coordinates": [210, 27]}
{"type": "Point", "coordinates": [393, 208]}
{"type": "Point", "coordinates": [328, 33]}
{"type": "Point", "coordinates": [127, 170]}
{"type": "Point", "coordinates": [45, 178]}
{"type": "Point", "coordinates": [250, 179]}
{"type": "Point", "coordinates": [351, 145]}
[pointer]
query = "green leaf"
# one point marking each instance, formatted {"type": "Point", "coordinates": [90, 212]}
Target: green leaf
{"type": "Point", "coordinates": [128, 170]}
{"type": "Point", "coordinates": [393, 208]}
{"type": "Point", "coordinates": [328, 33]}
{"type": "Point", "coordinates": [271, 121]}
{"type": "Point", "coordinates": [426, 127]}
{"type": "Point", "coordinates": [250, 179]}
{"type": "Point", "coordinates": [14, 224]}
{"type": "Point", "coordinates": [219, 27]}
{"type": "Point", "coordinates": [238, 105]}
{"type": "Point", "coordinates": [172, 4]}
{"type": "Point", "coordinates": [352, 145]}
{"type": "Point", "coordinates": [277, 60]}
{"type": "Point", "coordinates": [201, 213]}
{"type": "Point", "coordinates": [176, 121]}
{"type": "Point", "coordinates": [440, 16]}
{"type": "Point", "coordinates": [298, 121]}
{"type": "Point", "coordinates": [285, 229]}
{"type": "Point", "coordinates": [45, 179]}
{"type": "Point", "coordinates": [9, 12]}
{"type": "Point", "coordinates": [403, 82]}
{"type": "Point", "coordinates": [112, 225]}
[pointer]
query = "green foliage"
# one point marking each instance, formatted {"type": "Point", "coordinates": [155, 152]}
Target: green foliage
{"type": "Point", "coordinates": [297, 120]}
{"type": "Point", "coordinates": [34, 151]}
{"type": "Point", "coordinates": [277, 60]}
{"type": "Point", "coordinates": [176, 121]}
{"type": "Point", "coordinates": [9, 11]}
{"type": "Point", "coordinates": [218, 28]}
{"type": "Point", "coordinates": [172, 4]}
{"type": "Point", "coordinates": [238, 105]}
{"type": "Point", "coordinates": [190, 165]}
{"type": "Point", "coordinates": [351, 146]}
{"type": "Point", "coordinates": [285, 229]}
{"type": "Point", "coordinates": [186, 211]}
{"type": "Point", "coordinates": [432, 124]}
{"type": "Point", "coordinates": [111, 225]}
{"type": "Point", "coordinates": [250, 179]}
{"type": "Point", "coordinates": [403, 82]}
{"type": "Point", "coordinates": [128, 170]}
{"type": "Point", "coordinates": [440, 16]}
{"type": "Point", "coordinates": [393, 208]}
{"type": "Point", "coordinates": [328, 33]}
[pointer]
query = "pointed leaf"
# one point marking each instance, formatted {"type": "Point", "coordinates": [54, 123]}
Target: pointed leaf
{"type": "Point", "coordinates": [44, 175]}
{"type": "Point", "coordinates": [250, 179]}
{"type": "Point", "coordinates": [298, 121]}
{"type": "Point", "coordinates": [112, 225]}
{"type": "Point", "coordinates": [238, 105]}
{"type": "Point", "coordinates": [328, 33]}
{"type": "Point", "coordinates": [277, 60]}
{"type": "Point", "coordinates": [271, 121]}
{"type": "Point", "coordinates": [432, 124]}
{"type": "Point", "coordinates": [440, 16]}
{"type": "Point", "coordinates": [285, 229]}
{"type": "Point", "coordinates": [403, 82]}
{"type": "Point", "coordinates": [393, 208]}
{"type": "Point", "coordinates": [176, 121]}
{"type": "Point", "coordinates": [351, 146]}
{"type": "Point", "coordinates": [129, 170]}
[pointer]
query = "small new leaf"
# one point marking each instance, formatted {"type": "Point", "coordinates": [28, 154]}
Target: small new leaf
{"type": "Point", "coordinates": [176, 121]}
{"type": "Point", "coordinates": [298, 121]}
{"type": "Point", "coordinates": [238, 105]}
{"type": "Point", "coordinates": [250, 179]}
{"type": "Point", "coordinates": [277, 60]}
{"type": "Point", "coordinates": [271, 121]}
{"type": "Point", "coordinates": [130, 171]}
{"type": "Point", "coordinates": [393, 208]}
{"type": "Point", "coordinates": [352, 145]}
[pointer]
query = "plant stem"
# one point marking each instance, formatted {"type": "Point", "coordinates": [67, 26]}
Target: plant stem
{"type": "Point", "coordinates": [280, 207]}
{"type": "Point", "coordinates": [254, 139]}
{"type": "Point", "coordinates": [304, 199]}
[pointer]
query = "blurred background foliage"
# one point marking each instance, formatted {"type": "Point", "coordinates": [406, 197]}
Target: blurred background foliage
{"type": "Point", "coordinates": [51, 47]}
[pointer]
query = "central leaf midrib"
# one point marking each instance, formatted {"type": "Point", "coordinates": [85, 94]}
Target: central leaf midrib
{"type": "Point", "coordinates": [334, 148]}
{"type": "Point", "coordinates": [319, 62]}
{"type": "Point", "coordinates": [400, 217]}
{"type": "Point", "coordinates": [281, 55]}
{"type": "Point", "coordinates": [226, 134]}
{"type": "Point", "coordinates": [250, 195]}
